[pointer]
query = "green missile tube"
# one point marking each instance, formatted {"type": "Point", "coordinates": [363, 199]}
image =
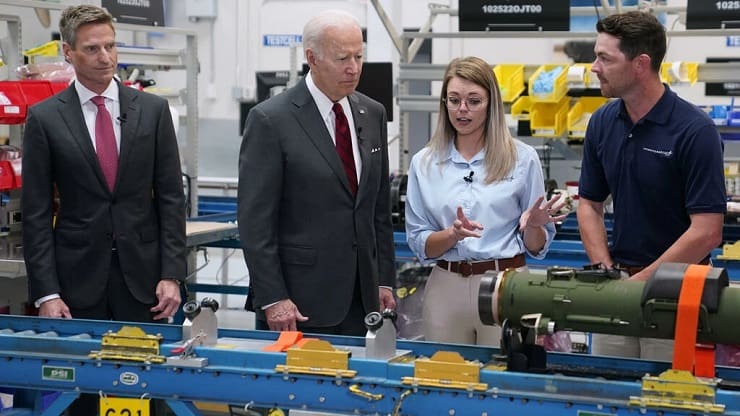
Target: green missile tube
{"type": "Point", "coordinates": [599, 301]}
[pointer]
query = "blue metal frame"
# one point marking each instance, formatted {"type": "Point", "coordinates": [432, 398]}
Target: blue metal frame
{"type": "Point", "coordinates": [566, 251]}
{"type": "Point", "coordinates": [242, 376]}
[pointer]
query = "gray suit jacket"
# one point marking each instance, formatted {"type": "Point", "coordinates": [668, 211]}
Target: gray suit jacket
{"type": "Point", "coordinates": [305, 237]}
{"type": "Point", "coordinates": [145, 212]}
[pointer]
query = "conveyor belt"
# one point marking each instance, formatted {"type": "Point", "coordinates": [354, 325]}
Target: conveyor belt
{"type": "Point", "coordinates": [239, 373]}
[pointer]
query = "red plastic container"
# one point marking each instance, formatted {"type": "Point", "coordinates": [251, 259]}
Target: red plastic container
{"type": "Point", "coordinates": [7, 176]}
{"type": "Point", "coordinates": [12, 103]}
{"type": "Point", "coordinates": [57, 87]}
{"type": "Point", "coordinates": [17, 96]}
{"type": "Point", "coordinates": [35, 90]}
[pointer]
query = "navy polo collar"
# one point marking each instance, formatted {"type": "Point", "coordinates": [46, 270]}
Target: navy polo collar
{"type": "Point", "coordinates": [661, 111]}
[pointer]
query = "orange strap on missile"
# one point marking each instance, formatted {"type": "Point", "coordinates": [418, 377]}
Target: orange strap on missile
{"type": "Point", "coordinates": [687, 321]}
{"type": "Point", "coordinates": [704, 365]}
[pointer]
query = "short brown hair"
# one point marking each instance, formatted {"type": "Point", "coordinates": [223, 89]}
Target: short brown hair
{"type": "Point", "coordinates": [75, 16]}
{"type": "Point", "coordinates": [638, 33]}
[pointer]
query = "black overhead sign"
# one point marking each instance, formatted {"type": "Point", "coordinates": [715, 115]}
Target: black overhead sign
{"type": "Point", "coordinates": [514, 15]}
{"type": "Point", "coordinates": [713, 14]}
{"type": "Point", "coordinates": [138, 12]}
{"type": "Point", "coordinates": [726, 89]}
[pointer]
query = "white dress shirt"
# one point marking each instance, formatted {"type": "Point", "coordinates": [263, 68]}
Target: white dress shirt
{"type": "Point", "coordinates": [327, 114]}
{"type": "Point", "coordinates": [90, 110]}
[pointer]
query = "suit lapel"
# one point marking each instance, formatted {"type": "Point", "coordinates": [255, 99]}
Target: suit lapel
{"type": "Point", "coordinates": [312, 122]}
{"type": "Point", "coordinates": [71, 112]}
{"type": "Point", "coordinates": [130, 115]}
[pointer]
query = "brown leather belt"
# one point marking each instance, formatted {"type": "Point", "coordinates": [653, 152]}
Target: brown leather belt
{"type": "Point", "coordinates": [633, 270]}
{"type": "Point", "coordinates": [468, 268]}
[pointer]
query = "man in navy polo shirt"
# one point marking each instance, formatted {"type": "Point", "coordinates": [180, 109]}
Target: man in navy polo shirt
{"type": "Point", "coordinates": [659, 157]}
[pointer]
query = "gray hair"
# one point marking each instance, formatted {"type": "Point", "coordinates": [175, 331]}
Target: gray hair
{"type": "Point", "coordinates": [313, 31]}
{"type": "Point", "coordinates": [75, 16]}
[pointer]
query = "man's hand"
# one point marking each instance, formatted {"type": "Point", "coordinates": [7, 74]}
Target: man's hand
{"type": "Point", "coordinates": [55, 308]}
{"type": "Point", "coordinates": [387, 301]}
{"type": "Point", "coordinates": [168, 296]}
{"type": "Point", "coordinates": [283, 315]}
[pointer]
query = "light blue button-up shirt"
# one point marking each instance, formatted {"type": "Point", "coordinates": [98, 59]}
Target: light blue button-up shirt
{"type": "Point", "coordinates": [435, 190]}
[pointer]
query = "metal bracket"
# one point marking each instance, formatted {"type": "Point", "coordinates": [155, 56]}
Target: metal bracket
{"type": "Point", "coordinates": [446, 369]}
{"type": "Point", "coordinates": [130, 343]}
{"type": "Point", "coordinates": [317, 357]}
{"type": "Point", "coordinates": [678, 389]}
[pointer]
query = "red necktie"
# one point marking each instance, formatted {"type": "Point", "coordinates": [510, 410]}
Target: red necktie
{"type": "Point", "coordinates": [105, 142]}
{"type": "Point", "coordinates": [344, 146]}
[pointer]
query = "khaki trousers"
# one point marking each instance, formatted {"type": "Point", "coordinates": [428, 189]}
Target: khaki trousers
{"type": "Point", "coordinates": [450, 310]}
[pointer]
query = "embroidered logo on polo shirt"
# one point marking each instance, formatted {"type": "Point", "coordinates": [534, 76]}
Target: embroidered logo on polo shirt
{"type": "Point", "coordinates": [664, 153]}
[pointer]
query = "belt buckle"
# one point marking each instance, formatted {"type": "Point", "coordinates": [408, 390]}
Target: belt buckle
{"type": "Point", "coordinates": [466, 268]}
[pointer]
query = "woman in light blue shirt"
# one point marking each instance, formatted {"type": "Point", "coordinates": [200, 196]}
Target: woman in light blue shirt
{"type": "Point", "coordinates": [474, 203]}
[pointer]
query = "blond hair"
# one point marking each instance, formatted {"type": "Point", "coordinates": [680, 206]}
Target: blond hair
{"type": "Point", "coordinates": [500, 149]}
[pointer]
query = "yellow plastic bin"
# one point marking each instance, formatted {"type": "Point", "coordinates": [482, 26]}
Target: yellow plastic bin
{"type": "Point", "coordinates": [679, 72]}
{"type": "Point", "coordinates": [559, 86]}
{"type": "Point", "coordinates": [510, 79]}
{"type": "Point", "coordinates": [580, 113]}
{"type": "Point", "coordinates": [521, 108]}
{"type": "Point", "coordinates": [549, 119]}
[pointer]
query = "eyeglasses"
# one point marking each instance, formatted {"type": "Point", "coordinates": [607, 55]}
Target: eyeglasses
{"type": "Point", "coordinates": [473, 103]}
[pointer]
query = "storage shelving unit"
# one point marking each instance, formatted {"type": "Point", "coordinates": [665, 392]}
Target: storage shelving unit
{"type": "Point", "coordinates": [407, 44]}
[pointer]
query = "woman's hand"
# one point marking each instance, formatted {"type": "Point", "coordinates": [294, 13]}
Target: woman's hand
{"type": "Point", "coordinates": [463, 227]}
{"type": "Point", "coordinates": [539, 214]}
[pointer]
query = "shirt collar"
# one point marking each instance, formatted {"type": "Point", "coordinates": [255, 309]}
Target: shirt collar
{"type": "Point", "coordinates": [323, 102]}
{"type": "Point", "coordinates": [85, 94]}
{"type": "Point", "coordinates": [455, 157]}
{"type": "Point", "coordinates": [661, 111]}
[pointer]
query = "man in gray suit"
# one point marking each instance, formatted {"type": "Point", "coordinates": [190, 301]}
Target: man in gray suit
{"type": "Point", "coordinates": [314, 197]}
{"type": "Point", "coordinates": [114, 247]}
